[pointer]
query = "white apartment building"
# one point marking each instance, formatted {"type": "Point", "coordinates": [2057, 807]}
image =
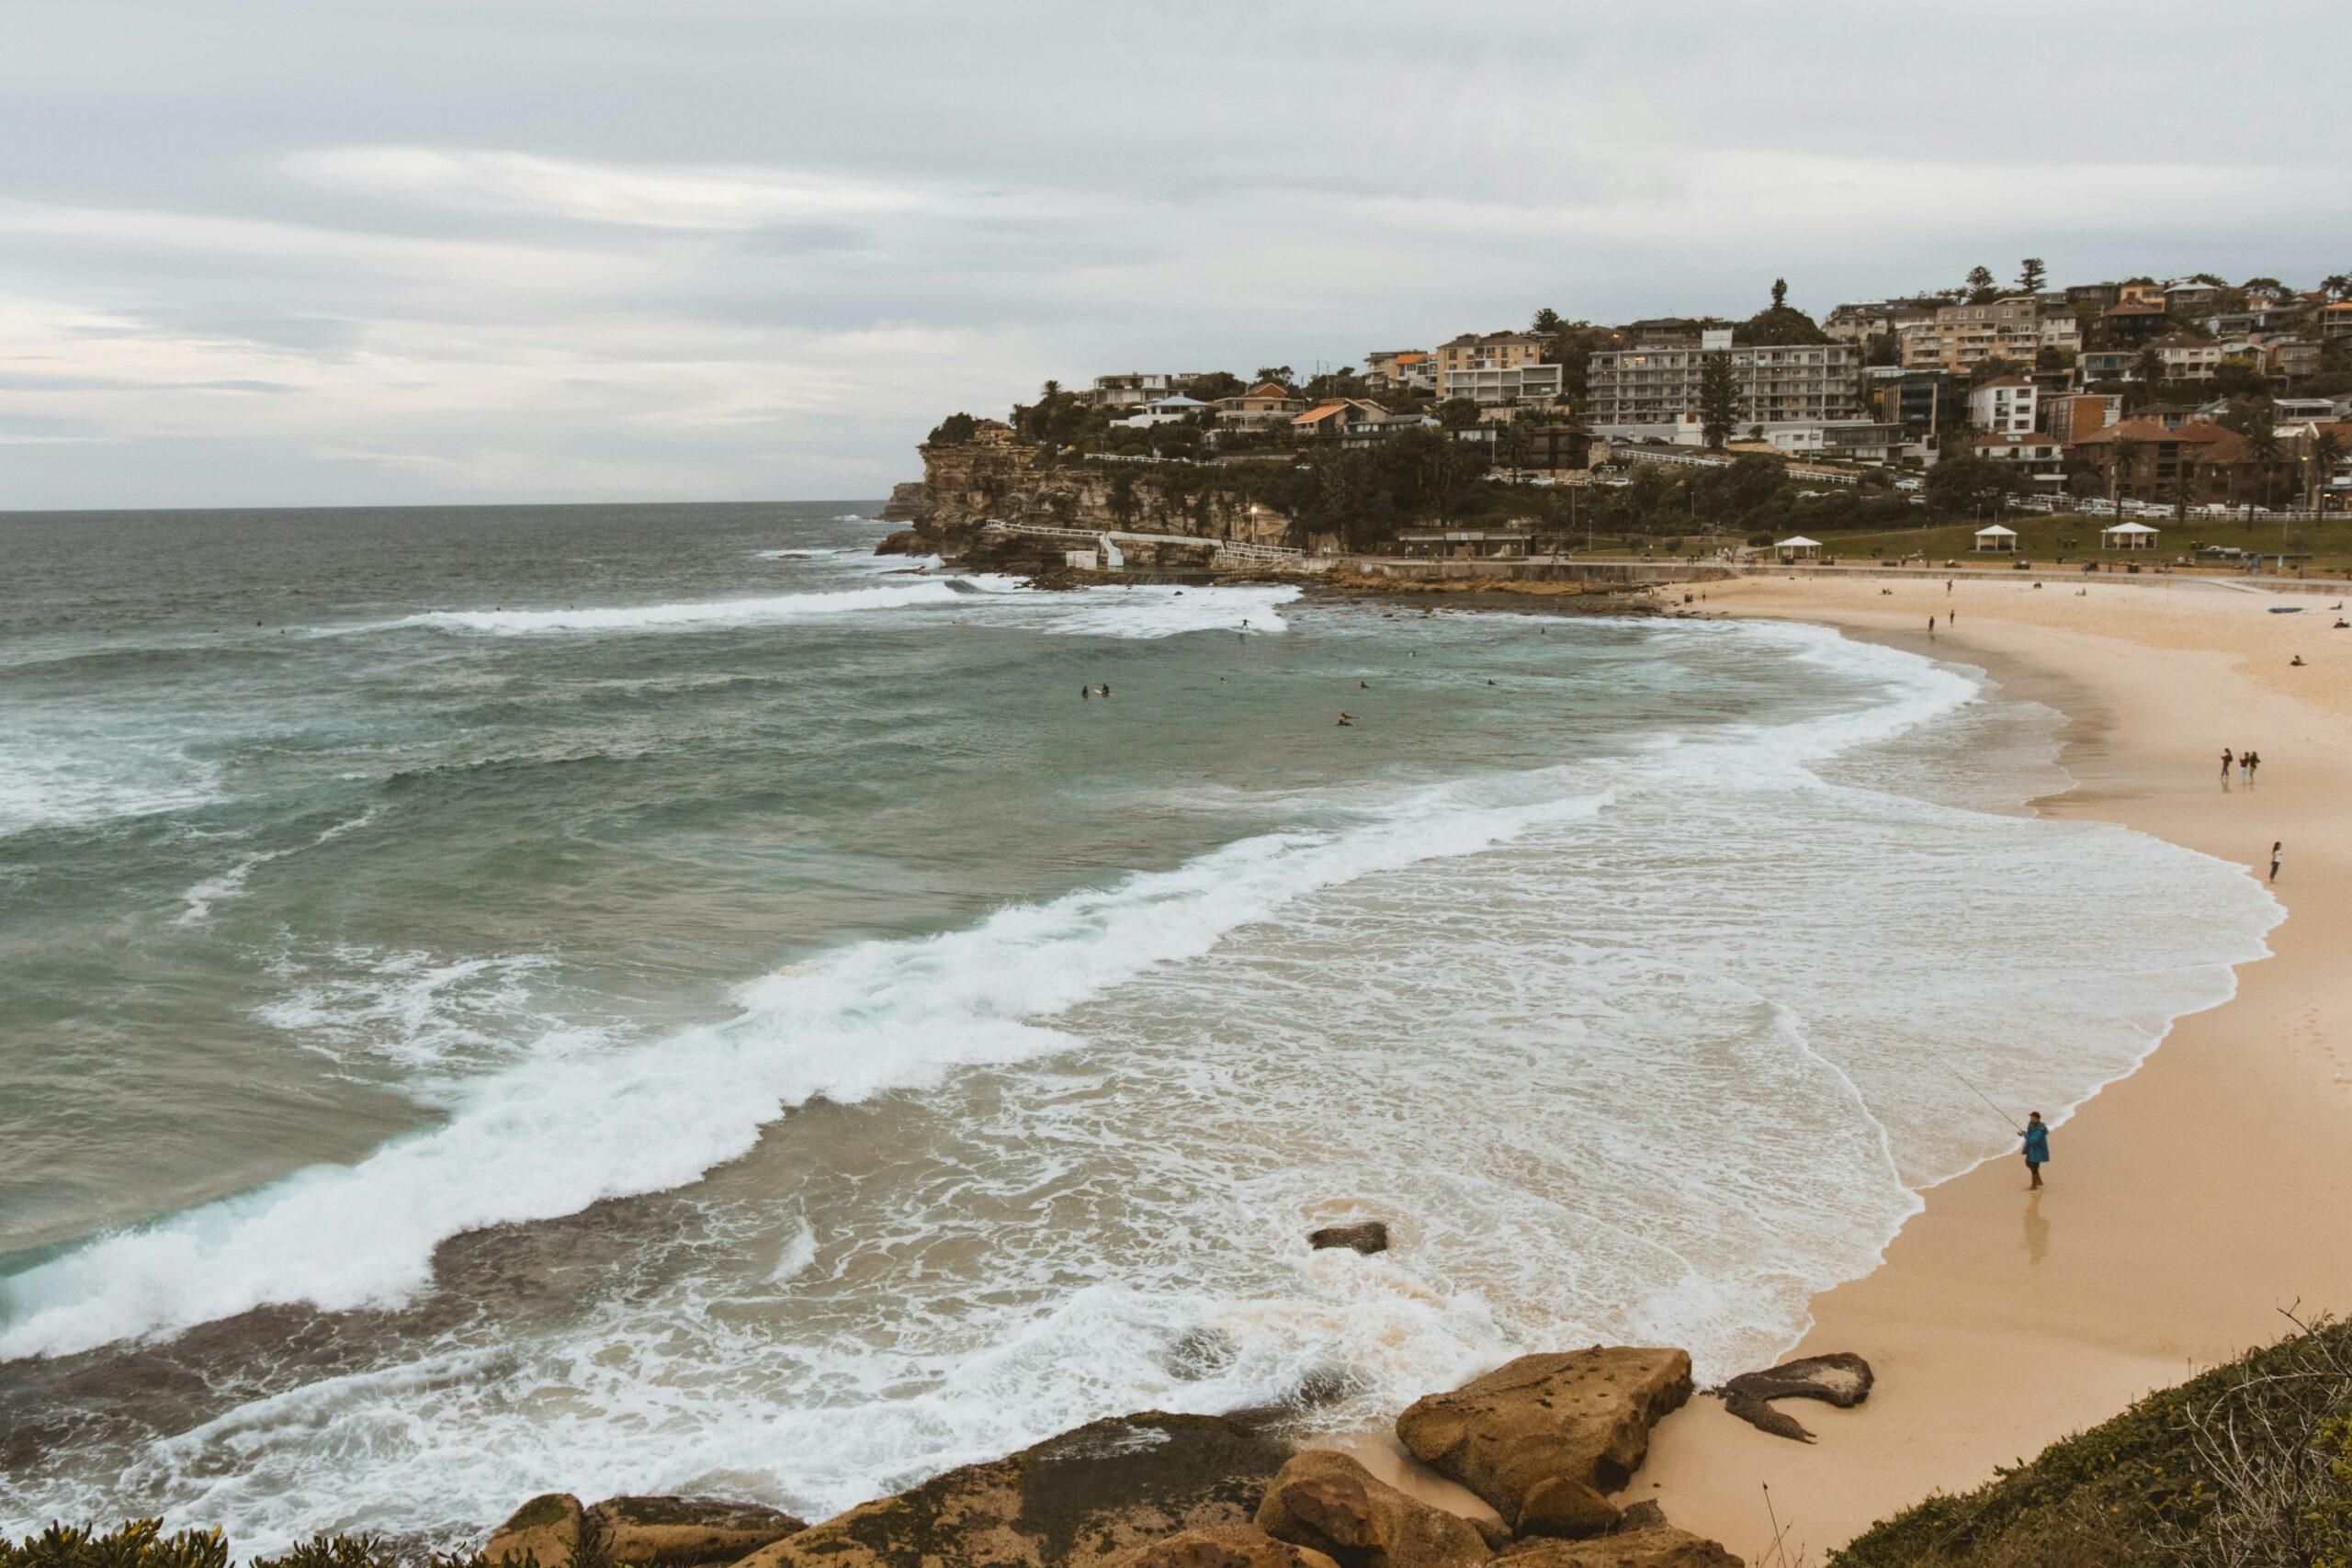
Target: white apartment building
{"type": "Point", "coordinates": [1778, 384]}
{"type": "Point", "coordinates": [2008, 405]}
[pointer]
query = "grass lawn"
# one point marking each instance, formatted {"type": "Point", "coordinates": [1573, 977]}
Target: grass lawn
{"type": "Point", "coordinates": [2045, 540]}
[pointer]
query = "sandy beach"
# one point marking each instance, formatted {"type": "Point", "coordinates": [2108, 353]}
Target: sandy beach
{"type": "Point", "coordinates": [2187, 1204]}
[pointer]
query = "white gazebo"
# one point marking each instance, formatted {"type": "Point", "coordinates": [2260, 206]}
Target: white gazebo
{"type": "Point", "coordinates": [1995, 537]}
{"type": "Point", "coordinates": [1796, 547]}
{"type": "Point", "coordinates": [2127, 536]}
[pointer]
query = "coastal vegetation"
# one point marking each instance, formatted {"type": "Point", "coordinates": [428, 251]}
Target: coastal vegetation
{"type": "Point", "coordinates": [2246, 1466]}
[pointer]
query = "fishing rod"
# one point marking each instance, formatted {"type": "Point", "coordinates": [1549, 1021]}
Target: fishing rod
{"type": "Point", "coordinates": [1983, 1095]}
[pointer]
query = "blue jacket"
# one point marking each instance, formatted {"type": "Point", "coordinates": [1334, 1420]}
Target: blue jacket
{"type": "Point", "coordinates": [2037, 1145]}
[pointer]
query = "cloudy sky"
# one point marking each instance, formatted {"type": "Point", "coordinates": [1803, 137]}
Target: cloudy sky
{"type": "Point", "coordinates": [339, 251]}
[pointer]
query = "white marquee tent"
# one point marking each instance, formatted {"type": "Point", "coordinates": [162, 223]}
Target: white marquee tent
{"type": "Point", "coordinates": [1796, 547]}
{"type": "Point", "coordinates": [1995, 538]}
{"type": "Point", "coordinates": [2127, 536]}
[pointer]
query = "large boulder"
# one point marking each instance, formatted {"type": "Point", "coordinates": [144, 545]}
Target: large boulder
{"type": "Point", "coordinates": [544, 1530]}
{"type": "Point", "coordinates": [1841, 1378]}
{"type": "Point", "coordinates": [1367, 1236]}
{"type": "Point", "coordinates": [680, 1532]}
{"type": "Point", "coordinates": [1227, 1546]}
{"type": "Point", "coordinates": [1661, 1546]}
{"type": "Point", "coordinates": [1079, 1498]}
{"type": "Point", "coordinates": [1331, 1503]}
{"type": "Point", "coordinates": [1535, 1435]}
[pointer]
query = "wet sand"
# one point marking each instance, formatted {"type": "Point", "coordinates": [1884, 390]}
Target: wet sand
{"type": "Point", "coordinates": [2187, 1205]}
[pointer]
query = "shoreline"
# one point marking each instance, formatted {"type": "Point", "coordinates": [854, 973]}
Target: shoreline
{"type": "Point", "coordinates": [2191, 1200]}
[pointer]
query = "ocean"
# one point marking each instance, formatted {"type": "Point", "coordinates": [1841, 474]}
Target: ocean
{"type": "Point", "coordinates": [658, 998]}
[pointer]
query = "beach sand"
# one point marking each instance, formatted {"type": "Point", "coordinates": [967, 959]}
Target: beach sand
{"type": "Point", "coordinates": [2187, 1204]}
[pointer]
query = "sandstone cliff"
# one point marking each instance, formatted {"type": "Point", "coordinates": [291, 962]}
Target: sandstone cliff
{"type": "Point", "coordinates": [977, 481]}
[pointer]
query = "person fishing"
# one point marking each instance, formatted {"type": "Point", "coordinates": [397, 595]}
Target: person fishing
{"type": "Point", "coordinates": [2037, 1146]}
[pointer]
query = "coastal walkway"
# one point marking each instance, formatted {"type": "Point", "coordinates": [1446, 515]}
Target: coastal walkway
{"type": "Point", "coordinates": [1112, 546]}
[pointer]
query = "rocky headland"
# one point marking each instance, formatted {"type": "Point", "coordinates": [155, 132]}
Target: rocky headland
{"type": "Point", "coordinates": [1545, 1441]}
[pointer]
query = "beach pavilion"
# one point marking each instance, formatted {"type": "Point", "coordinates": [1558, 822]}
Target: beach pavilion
{"type": "Point", "coordinates": [2127, 536]}
{"type": "Point", "coordinates": [1995, 538]}
{"type": "Point", "coordinates": [1796, 547]}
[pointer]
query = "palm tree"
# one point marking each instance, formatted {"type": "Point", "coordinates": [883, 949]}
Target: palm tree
{"type": "Point", "coordinates": [2185, 491]}
{"type": "Point", "coordinates": [2326, 451]}
{"type": "Point", "coordinates": [2123, 452]}
{"type": "Point", "coordinates": [2262, 445]}
{"type": "Point", "coordinates": [2149, 368]}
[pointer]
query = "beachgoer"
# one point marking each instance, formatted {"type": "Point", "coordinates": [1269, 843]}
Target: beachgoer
{"type": "Point", "coordinates": [1106, 688]}
{"type": "Point", "coordinates": [2253, 765]}
{"type": "Point", "coordinates": [1931, 626]}
{"type": "Point", "coordinates": [2246, 767]}
{"type": "Point", "coordinates": [2296, 662]}
{"type": "Point", "coordinates": [2037, 1146]}
{"type": "Point", "coordinates": [2277, 853]}
{"type": "Point", "coordinates": [1086, 692]}
{"type": "Point", "coordinates": [2226, 761]}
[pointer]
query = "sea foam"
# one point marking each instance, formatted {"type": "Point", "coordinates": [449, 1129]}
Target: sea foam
{"type": "Point", "coordinates": [554, 1135]}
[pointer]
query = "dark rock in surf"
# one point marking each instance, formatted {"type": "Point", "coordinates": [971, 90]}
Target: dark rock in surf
{"type": "Point", "coordinates": [1842, 1379]}
{"type": "Point", "coordinates": [1371, 1235]}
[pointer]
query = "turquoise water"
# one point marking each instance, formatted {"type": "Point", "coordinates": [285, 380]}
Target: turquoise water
{"type": "Point", "coordinates": [657, 998]}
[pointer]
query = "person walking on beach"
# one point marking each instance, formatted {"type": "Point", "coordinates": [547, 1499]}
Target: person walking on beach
{"type": "Point", "coordinates": [2226, 761]}
{"type": "Point", "coordinates": [2037, 1146]}
{"type": "Point", "coordinates": [2278, 853]}
{"type": "Point", "coordinates": [1931, 628]}
{"type": "Point", "coordinates": [2253, 765]}
{"type": "Point", "coordinates": [2246, 767]}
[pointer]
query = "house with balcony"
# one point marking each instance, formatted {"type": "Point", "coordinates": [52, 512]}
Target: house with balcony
{"type": "Point", "coordinates": [1499, 369]}
{"type": "Point", "coordinates": [2131, 323]}
{"type": "Point", "coordinates": [2041, 458]}
{"type": "Point", "coordinates": [1267, 403]}
{"type": "Point", "coordinates": [1167, 411]}
{"type": "Point", "coordinates": [2214, 462]}
{"type": "Point", "coordinates": [1327, 421]}
{"type": "Point", "coordinates": [1134, 389]}
{"type": "Point", "coordinates": [2188, 357]}
{"type": "Point", "coordinates": [1409, 368]}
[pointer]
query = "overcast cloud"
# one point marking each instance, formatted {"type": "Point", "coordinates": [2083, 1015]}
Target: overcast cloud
{"type": "Point", "coordinates": [335, 251]}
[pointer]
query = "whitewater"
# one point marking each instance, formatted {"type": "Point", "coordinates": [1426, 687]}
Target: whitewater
{"type": "Point", "coordinates": [672, 1032]}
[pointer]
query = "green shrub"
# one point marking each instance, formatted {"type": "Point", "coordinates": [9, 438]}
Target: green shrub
{"type": "Point", "coordinates": [2248, 1465]}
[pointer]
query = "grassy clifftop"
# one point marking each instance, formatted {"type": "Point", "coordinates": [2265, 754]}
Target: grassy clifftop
{"type": "Point", "coordinates": [2248, 1464]}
